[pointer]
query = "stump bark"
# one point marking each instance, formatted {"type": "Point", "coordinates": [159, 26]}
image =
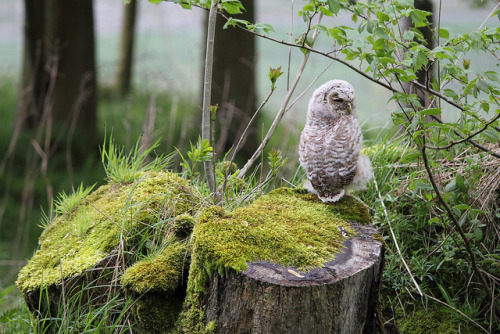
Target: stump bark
{"type": "Point", "coordinates": [341, 297]}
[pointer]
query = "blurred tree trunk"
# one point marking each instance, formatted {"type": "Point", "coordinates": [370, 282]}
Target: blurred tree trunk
{"type": "Point", "coordinates": [424, 77]}
{"type": "Point", "coordinates": [233, 84]}
{"type": "Point", "coordinates": [32, 76]}
{"type": "Point", "coordinates": [58, 91]}
{"type": "Point", "coordinates": [125, 60]}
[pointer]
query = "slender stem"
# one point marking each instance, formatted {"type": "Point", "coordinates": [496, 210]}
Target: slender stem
{"type": "Point", "coordinates": [207, 91]}
{"type": "Point", "coordinates": [241, 139]}
{"type": "Point", "coordinates": [396, 241]}
{"type": "Point", "coordinates": [452, 217]}
{"type": "Point", "coordinates": [474, 143]}
{"type": "Point", "coordinates": [354, 68]}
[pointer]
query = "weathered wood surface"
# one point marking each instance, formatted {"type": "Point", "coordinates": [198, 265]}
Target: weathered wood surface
{"type": "Point", "coordinates": [342, 297]}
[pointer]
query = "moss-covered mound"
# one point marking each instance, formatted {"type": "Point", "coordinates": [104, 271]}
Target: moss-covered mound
{"type": "Point", "coordinates": [114, 213]}
{"type": "Point", "coordinates": [159, 273]}
{"type": "Point", "coordinates": [150, 221]}
{"type": "Point", "coordinates": [287, 227]}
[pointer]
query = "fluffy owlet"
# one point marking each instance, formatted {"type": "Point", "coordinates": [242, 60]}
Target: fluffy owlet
{"type": "Point", "coordinates": [330, 143]}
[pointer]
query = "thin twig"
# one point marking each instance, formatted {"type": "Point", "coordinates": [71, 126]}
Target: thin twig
{"type": "Point", "coordinates": [468, 138]}
{"type": "Point", "coordinates": [309, 86]}
{"type": "Point", "coordinates": [282, 110]}
{"type": "Point", "coordinates": [479, 146]}
{"type": "Point", "coordinates": [241, 139]}
{"type": "Point", "coordinates": [452, 216]}
{"type": "Point", "coordinates": [352, 67]}
{"type": "Point", "coordinates": [207, 91]}
{"type": "Point", "coordinates": [396, 241]}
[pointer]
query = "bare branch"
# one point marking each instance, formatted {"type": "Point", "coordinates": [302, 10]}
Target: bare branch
{"type": "Point", "coordinates": [207, 90]}
{"type": "Point", "coordinates": [282, 110]}
{"type": "Point", "coordinates": [456, 223]}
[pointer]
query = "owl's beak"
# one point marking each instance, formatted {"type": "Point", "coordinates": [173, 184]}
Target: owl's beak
{"type": "Point", "coordinates": [350, 107]}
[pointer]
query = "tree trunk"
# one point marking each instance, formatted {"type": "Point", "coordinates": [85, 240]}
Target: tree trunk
{"type": "Point", "coordinates": [342, 297]}
{"type": "Point", "coordinates": [58, 84]}
{"type": "Point", "coordinates": [234, 84]}
{"type": "Point", "coordinates": [125, 60]}
{"type": "Point", "coordinates": [32, 76]}
{"type": "Point", "coordinates": [423, 77]}
{"type": "Point", "coordinates": [70, 32]}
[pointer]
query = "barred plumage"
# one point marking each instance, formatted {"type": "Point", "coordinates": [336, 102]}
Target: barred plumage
{"type": "Point", "coordinates": [330, 143]}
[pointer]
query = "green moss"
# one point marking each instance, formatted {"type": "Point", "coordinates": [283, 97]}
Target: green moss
{"type": "Point", "coordinates": [79, 240]}
{"type": "Point", "coordinates": [162, 272]}
{"type": "Point", "coordinates": [183, 225]}
{"type": "Point", "coordinates": [286, 227]}
{"type": "Point", "coordinates": [431, 320]}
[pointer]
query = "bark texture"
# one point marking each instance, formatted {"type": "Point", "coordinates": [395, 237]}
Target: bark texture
{"type": "Point", "coordinates": [342, 297]}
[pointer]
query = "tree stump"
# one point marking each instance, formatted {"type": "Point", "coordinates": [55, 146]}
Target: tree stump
{"type": "Point", "coordinates": [341, 297]}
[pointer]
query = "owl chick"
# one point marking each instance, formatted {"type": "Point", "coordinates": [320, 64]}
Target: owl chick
{"type": "Point", "coordinates": [330, 143]}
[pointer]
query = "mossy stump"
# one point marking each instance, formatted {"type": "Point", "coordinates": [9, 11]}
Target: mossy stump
{"type": "Point", "coordinates": [341, 297]}
{"type": "Point", "coordinates": [305, 291]}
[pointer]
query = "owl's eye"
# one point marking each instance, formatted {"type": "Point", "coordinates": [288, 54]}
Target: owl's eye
{"type": "Point", "coordinates": [337, 99]}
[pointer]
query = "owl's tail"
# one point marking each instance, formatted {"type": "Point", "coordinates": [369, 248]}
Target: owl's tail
{"type": "Point", "coordinates": [330, 197]}
{"type": "Point", "coordinates": [364, 173]}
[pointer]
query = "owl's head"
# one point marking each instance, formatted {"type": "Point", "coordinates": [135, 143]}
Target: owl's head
{"type": "Point", "coordinates": [333, 99]}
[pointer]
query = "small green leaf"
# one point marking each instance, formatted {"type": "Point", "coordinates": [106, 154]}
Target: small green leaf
{"type": "Point", "coordinates": [266, 27]}
{"type": "Point", "coordinates": [476, 36]}
{"type": "Point", "coordinates": [379, 44]}
{"type": "Point", "coordinates": [434, 220]}
{"type": "Point", "coordinates": [334, 6]}
{"type": "Point", "coordinates": [443, 33]}
{"type": "Point", "coordinates": [382, 16]}
{"type": "Point", "coordinates": [492, 76]}
{"type": "Point", "coordinates": [478, 234]}
{"type": "Point", "coordinates": [483, 85]}
{"type": "Point", "coordinates": [231, 22]}
{"type": "Point", "coordinates": [371, 25]}
{"type": "Point", "coordinates": [274, 74]}
{"type": "Point", "coordinates": [431, 111]}
{"type": "Point", "coordinates": [462, 207]}
{"type": "Point", "coordinates": [419, 18]}
{"type": "Point", "coordinates": [232, 7]}
{"type": "Point", "coordinates": [421, 185]}
{"type": "Point", "coordinates": [450, 93]}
